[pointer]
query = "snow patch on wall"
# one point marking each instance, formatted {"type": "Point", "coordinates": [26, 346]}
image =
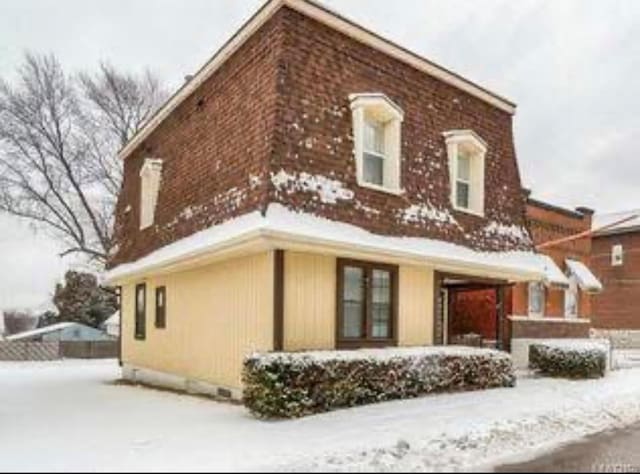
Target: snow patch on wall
{"type": "Point", "coordinates": [419, 213]}
{"type": "Point", "coordinates": [513, 232]}
{"type": "Point", "coordinates": [330, 191]}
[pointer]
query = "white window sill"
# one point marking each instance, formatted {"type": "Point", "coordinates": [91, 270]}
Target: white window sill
{"type": "Point", "coordinates": [375, 187]}
{"type": "Point", "coordinates": [468, 211]}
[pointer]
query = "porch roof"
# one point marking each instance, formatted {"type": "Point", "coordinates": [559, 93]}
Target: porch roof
{"type": "Point", "coordinates": [587, 281]}
{"type": "Point", "coordinates": [286, 229]}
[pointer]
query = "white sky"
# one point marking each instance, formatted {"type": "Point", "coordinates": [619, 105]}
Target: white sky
{"type": "Point", "coordinates": [570, 65]}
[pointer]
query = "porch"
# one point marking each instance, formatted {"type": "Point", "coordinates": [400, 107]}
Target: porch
{"type": "Point", "coordinates": [471, 311]}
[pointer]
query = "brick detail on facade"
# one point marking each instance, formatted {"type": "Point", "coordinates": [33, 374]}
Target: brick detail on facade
{"type": "Point", "coordinates": [279, 107]}
{"type": "Point", "coordinates": [552, 329]}
{"type": "Point", "coordinates": [618, 306]}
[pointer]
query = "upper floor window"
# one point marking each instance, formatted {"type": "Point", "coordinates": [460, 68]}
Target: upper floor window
{"type": "Point", "coordinates": [149, 188]}
{"type": "Point", "coordinates": [617, 255]}
{"type": "Point", "coordinates": [377, 136]}
{"type": "Point", "coordinates": [466, 152]}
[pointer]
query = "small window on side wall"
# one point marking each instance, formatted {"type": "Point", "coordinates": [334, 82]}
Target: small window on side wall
{"type": "Point", "coordinates": [536, 299]}
{"type": "Point", "coordinates": [161, 307]}
{"type": "Point", "coordinates": [466, 152]}
{"type": "Point", "coordinates": [141, 312]}
{"type": "Point", "coordinates": [377, 138]}
{"type": "Point", "coordinates": [150, 175]}
{"type": "Point", "coordinates": [617, 255]}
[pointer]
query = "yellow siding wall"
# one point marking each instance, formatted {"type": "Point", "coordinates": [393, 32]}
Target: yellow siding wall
{"type": "Point", "coordinates": [215, 315]}
{"type": "Point", "coordinates": [415, 312]}
{"type": "Point", "coordinates": [309, 301]}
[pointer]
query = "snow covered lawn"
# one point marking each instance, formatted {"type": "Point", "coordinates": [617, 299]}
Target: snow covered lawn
{"type": "Point", "coordinates": [70, 416]}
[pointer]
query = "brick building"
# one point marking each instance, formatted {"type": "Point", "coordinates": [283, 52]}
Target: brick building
{"type": "Point", "coordinates": [313, 186]}
{"type": "Point", "coordinates": [616, 260]}
{"type": "Point", "coordinates": [559, 308]}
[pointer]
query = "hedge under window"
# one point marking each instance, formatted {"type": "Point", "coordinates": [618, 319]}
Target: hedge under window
{"type": "Point", "coordinates": [141, 311]}
{"type": "Point", "coordinates": [161, 307]}
{"type": "Point", "coordinates": [367, 304]}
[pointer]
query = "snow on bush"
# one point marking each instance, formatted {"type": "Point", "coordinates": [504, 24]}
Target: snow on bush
{"type": "Point", "coordinates": [292, 385]}
{"type": "Point", "coordinates": [575, 360]}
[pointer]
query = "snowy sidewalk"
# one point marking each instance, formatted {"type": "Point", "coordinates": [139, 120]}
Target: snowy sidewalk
{"type": "Point", "coordinates": [70, 416]}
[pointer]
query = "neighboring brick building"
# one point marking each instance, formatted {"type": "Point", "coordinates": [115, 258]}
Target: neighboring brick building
{"type": "Point", "coordinates": [313, 186]}
{"type": "Point", "coordinates": [553, 309]}
{"type": "Point", "coordinates": [615, 259]}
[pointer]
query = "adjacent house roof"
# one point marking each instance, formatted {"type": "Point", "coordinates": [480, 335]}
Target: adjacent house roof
{"type": "Point", "coordinates": [288, 229]}
{"type": "Point", "coordinates": [587, 281]}
{"type": "Point", "coordinates": [333, 20]}
{"type": "Point", "coordinates": [39, 332]}
{"type": "Point", "coordinates": [612, 223]}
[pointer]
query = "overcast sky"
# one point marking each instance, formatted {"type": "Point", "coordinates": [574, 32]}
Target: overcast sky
{"type": "Point", "coordinates": [571, 66]}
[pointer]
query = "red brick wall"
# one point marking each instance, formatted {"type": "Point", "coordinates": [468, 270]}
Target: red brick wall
{"type": "Point", "coordinates": [618, 306]}
{"type": "Point", "coordinates": [473, 311]}
{"type": "Point", "coordinates": [215, 149]}
{"type": "Point", "coordinates": [322, 68]}
{"type": "Point", "coordinates": [547, 223]}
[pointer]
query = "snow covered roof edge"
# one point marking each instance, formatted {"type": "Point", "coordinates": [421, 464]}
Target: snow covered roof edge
{"type": "Point", "coordinates": [285, 224]}
{"type": "Point", "coordinates": [587, 281]}
{"type": "Point", "coordinates": [37, 332]}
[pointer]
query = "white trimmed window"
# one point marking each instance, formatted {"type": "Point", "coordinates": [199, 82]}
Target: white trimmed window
{"type": "Point", "coordinates": [536, 299]}
{"type": "Point", "coordinates": [149, 187]}
{"type": "Point", "coordinates": [466, 152]}
{"type": "Point", "coordinates": [571, 299]}
{"type": "Point", "coordinates": [377, 125]}
{"type": "Point", "coordinates": [617, 255]}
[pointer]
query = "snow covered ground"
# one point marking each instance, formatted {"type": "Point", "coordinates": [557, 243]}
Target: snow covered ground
{"type": "Point", "coordinates": [71, 416]}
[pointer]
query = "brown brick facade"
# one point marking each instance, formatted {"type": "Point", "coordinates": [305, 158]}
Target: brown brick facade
{"type": "Point", "coordinates": [279, 107]}
{"type": "Point", "coordinates": [618, 306]}
{"type": "Point", "coordinates": [215, 149]}
{"type": "Point", "coordinates": [322, 68]}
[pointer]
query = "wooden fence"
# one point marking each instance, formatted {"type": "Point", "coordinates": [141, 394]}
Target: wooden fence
{"type": "Point", "coordinates": [42, 351]}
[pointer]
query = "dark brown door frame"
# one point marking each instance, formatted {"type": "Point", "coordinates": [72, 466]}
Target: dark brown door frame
{"type": "Point", "coordinates": [278, 300]}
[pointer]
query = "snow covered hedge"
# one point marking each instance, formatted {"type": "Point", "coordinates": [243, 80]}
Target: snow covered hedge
{"type": "Point", "coordinates": [576, 360]}
{"type": "Point", "coordinates": [291, 385]}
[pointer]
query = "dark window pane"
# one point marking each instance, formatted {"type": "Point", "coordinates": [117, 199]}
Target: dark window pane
{"type": "Point", "coordinates": [353, 302]}
{"type": "Point", "coordinates": [373, 169]}
{"type": "Point", "coordinates": [462, 195]}
{"type": "Point", "coordinates": [381, 304]}
{"type": "Point", "coordinates": [140, 309]}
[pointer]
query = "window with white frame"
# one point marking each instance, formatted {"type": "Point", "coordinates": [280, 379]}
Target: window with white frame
{"type": "Point", "coordinates": [377, 137]}
{"type": "Point", "coordinates": [536, 299]}
{"type": "Point", "coordinates": [617, 255]}
{"type": "Point", "coordinates": [149, 187]}
{"type": "Point", "coordinates": [571, 299]}
{"type": "Point", "coordinates": [466, 152]}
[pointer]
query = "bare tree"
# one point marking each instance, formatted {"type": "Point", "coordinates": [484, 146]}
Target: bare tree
{"type": "Point", "coordinates": [59, 137]}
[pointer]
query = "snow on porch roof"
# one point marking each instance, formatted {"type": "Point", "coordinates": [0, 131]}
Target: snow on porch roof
{"type": "Point", "coordinates": [288, 226]}
{"type": "Point", "coordinates": [587, 281]}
